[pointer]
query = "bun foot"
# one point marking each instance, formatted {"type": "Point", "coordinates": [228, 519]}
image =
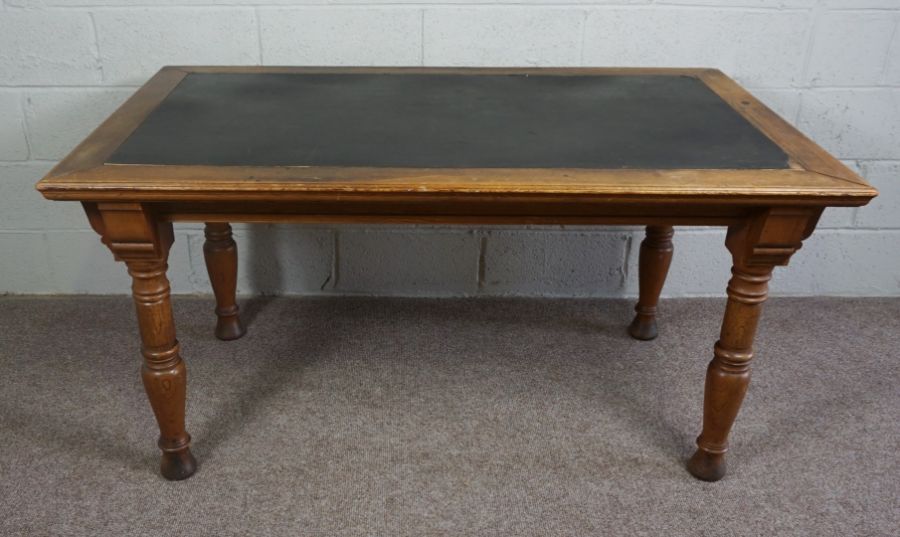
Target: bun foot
{"type": "Point", "coordinates": [643, 328]}
{"type": "Point", "coordinates": [178, 465]}
{"type": "Point", "coordinates": [229, 328]}
{"type": "Point", "coordinates": [220, 253]}
{"type": "Point", "coordinates": [707, 466]}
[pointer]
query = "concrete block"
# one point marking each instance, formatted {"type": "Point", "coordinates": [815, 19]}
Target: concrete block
{"type": "Point", "coordinates": [80, 263]}
{"type": "Point", "coordinates": [763, 46]}
{"type": "Point", "coordinates": [785, 103]}
{"type": "Point", "coordinates": [768, 4]}
{"type": "Point", "coordinates": [837, 217]}
{"type": "Point", "coordinates": [758, 48]}
{"type": "Point", "coordinates": [47, 47]}
{"type": "Point", "coordinates": [500, 36]}
{"type": "Point", "coordinates": [883, 211]}
{"type": "Point", "coordinates": [892, 67]}
{"type": "Point", "coordinates": [58, 119]}
{"type": "Point", "coordinates": [406, 262]}
{"type": "Point", "coordinates": [12, 127]}
{"type": "Point", "coordinates": [850, 48]}
{"type": "Point", "coordinates": [72, 3]}
{"type": "Point", "coordinates": [23, 263]}
{"type": "Point", "coordinates": [341, 36]}
{"type": "Point", "coordinates": [860, 4]}
{"type": "Point", "coordinates": [701, 265]}
{"type": "Point", "coordinates": [843, 263]}
{"type": "Point", "coordinates": [274, 260]}
{"type": "Point", "coordinates": [135, 43]}
{"type": "Point", "coordinates": [831, 262]}
{"type": "Point", "coordinates": [853, 123]}
{"type": "Point", "coordinates": [181, 266]}
{"type": "Point", "coordinates": [553, 263]}
{"type": "Point", "coordinates": [23, 208]}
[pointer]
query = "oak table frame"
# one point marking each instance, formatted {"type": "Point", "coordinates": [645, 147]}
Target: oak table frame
{"type": "Point", "coordinates": [768, 214]}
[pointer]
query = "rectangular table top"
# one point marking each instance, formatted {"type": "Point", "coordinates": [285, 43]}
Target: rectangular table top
{"type": "Point", "coordinates": [200, 133]}
{"type": "Point", "coordinates": [447, 121]}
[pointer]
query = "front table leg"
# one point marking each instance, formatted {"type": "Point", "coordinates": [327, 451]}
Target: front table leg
{"type": "Point", "coordinates": [138, 237]}
{"type": "Point", "coordinates": [766, 239]}
{"type": "Point", "coordinates": [729, 372]}
{"type": "Point", "coordinates": [163, 371]}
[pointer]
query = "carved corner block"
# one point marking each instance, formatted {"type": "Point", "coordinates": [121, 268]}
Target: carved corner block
{"type": "Point", "coordinates": [771, 237]}
{"type": "Point", "coordinates": [130, 230]}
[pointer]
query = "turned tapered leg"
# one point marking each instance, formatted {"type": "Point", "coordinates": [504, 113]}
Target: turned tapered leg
{"type": "Point", "coordinates": [653, 265]}
{"type": "Point", "coordinates": [163, 371]}
{"type": "Point", "coordinates": [220, 252]}
{"type": "Point", "coordinates": [728, 374]}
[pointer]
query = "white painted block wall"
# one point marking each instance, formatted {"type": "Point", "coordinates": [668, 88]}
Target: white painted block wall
{"type": "Point", "coordinates": [832, 67]}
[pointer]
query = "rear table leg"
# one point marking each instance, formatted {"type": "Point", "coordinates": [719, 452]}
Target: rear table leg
{"type": "Point", "coordinates": [654, 261]}
{"type": "Point", "coordinates": [220, 252]}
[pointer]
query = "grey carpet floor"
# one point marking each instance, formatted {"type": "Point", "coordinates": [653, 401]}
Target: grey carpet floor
{"type": "Point", "coordinates": [403, 417]}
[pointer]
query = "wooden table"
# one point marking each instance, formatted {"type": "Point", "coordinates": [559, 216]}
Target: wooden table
{"type": "Point", "coordinates": [656, 147]}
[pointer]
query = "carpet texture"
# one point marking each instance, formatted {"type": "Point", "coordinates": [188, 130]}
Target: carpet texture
{"type": "Point", "coordinates": [482, 417]}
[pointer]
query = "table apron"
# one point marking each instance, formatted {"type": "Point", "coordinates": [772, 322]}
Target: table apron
{"type": "Point", "coordinates": [574, 212]}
